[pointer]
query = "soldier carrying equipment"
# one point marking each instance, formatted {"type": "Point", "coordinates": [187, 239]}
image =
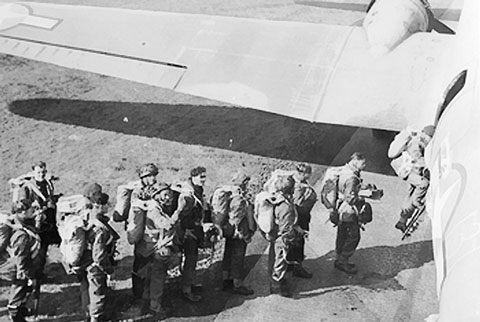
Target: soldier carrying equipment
{"type": "Point", "coordinates": [407, 151]}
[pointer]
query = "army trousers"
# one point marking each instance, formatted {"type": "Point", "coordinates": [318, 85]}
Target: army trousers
{"type": "Point", "coordinates": [93, 290]}
{"type": "Point", "coordinates": [234, 257]}
{"type": "Point", "coordinates": [348, 238]}
{"type": "Point", "coordinates": [277, 260]}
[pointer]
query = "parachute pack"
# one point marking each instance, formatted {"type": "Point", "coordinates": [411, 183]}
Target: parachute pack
{"type": "Point", "coordinates": [264, 211]}
{"type": "Point", "coordinates": [123, 202]}
{"type": "Point", "coordinates": [73, 231]}
{"type": "Point", "coordinates": [329, 192]}
{"type": "Point", "coordinates": [403, 165]}
{"type": "Point", "coordinates": [232, 212]}
{"type": "Point", "coordinates": [70, 204]}
{"type": "Point", "coordinates": [18, 184]}
{"type": "Point", "coordinates": [228, 205]}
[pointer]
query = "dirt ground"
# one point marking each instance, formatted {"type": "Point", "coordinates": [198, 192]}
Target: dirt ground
{"type": "Point", "coordinates": [92, 128]}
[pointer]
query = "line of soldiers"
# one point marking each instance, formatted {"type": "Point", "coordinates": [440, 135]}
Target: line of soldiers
{"type": "Point", "coordinates": [26, 234]}
{"type": "Point", "coordinates": [166, 223]}
{"type": "Point", "coordinates": [162, 222]}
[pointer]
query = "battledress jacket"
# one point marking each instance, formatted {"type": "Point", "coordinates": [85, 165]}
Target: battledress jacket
{"type": "Point", "coordinates": [100, 238]}
{"type": "Point", "coordinates": [22, 259]}
{"type": "Point", "coordinates": [285, 220]}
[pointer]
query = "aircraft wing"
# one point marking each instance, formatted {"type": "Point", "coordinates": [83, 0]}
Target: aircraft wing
{"type": "Point", "coordinates": [315, 72]}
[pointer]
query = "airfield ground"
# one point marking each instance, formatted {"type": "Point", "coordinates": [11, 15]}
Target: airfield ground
{"type": "Point", "coordinates": [92, 128]}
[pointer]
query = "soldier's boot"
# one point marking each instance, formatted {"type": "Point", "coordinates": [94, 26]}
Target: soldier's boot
{"type": "Point", "coordinates": [227, 284]}
{"type": "Point", "coordinates": [188, 295]}
{"type": "Point", "coordinates": [285, 289]}
{"type": "Point", "coordinates": [275, 287]}
{"type": "Point", "coordinates": [300, 271]}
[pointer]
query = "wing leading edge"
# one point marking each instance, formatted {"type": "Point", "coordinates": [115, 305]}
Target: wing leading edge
{"type": "Point", "coordinates": [314, 72]}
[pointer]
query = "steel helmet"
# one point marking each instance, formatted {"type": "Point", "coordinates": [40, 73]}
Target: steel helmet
{"type": "Point", "coordinates": [148, 169]}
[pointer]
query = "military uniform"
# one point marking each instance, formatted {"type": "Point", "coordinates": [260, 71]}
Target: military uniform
{"type": "Point", "coordinates": [190, 212]}
{"type": "Point", "coordinates": [414, 145]}
{"type": "Point", "coordinates": [304, 198]}
{"type": "Point", "coordinates": [21, 268]}
{"type": "Point", "coordinates": [41, 195]}
{"type": "Point", "coordinates": [348, 229]}
{"type": "Point", "coordinates": [158, 244]}
{"type": "Point", "coordinates": [236, 241]}
{"type": "Point", "coordinates": [140, 195]}
{"type": "Point", "coordinates": [283, 237]}
{"type": "Point", "coordinates": [95, 265]}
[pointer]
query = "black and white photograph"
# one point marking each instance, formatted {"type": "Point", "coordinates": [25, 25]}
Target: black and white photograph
{"type": "Point", "coordinates": [226, 160]}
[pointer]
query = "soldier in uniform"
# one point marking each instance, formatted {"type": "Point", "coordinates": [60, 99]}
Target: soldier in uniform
{"type": "Point", "coordinates": [23, 265]}
{"type": "Point", "coordinates": [412, 144]}
{"type": "Point", "coordinates": [237, 236]}
{"type": "Point", "coordinates": [97, 261]}
{"type": "Point", "coordinates": [304, 198]}
{"type": "Point", "coordinates": [350, 204]}
{"type": "Point", "coordinates": [283, 235]}
{"type": "Point", "coordinates": [190, 212]}
{"type": "Point", "coordinates": [130, 208]}
{"type": "Point", "coordinates": [38, 190]}
{"type": "Point", "coordinates": [158, 244]}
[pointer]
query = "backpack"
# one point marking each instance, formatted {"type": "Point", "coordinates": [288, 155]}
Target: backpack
{"type": "Point", "coordinates": [264, 211]}
{"type": "Point", "coordinates": [403, 165]}
{"type": "Point", "coordinates": [329, 192]}
{"type": "Point", "coordinates": [123, 200]}
{"type": "Point", "coordinates": [71, 204]}
{"type": "Point", "coordinates": [231, 211]}
{"type": "Point", "coordinates": [220, 203]}
{"type": "Point", "coordinates": [21, 187]}
{"type": "Point", "coordinates": [136, 221]}
{"type": "Point", "coordinates": [73, 231]}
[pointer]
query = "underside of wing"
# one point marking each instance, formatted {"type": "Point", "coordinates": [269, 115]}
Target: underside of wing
{"type": "Point", "coordinates": [314, 72]}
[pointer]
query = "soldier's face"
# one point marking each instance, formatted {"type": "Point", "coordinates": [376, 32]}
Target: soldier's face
{"type": "Point", "coordinates": [304, 176]}
{"type": "Point", "coordinates": [149, 180]}
{"type": "Point", "coordinates": [200, 179]}
{"type": "Point", "coordinates": [39, 173]}
{"type": "Point", "coordinates": [361, 164]}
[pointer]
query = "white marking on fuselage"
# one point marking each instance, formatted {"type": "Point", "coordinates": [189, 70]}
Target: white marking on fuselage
{"type": "Point", "coordinates": [13, 15]}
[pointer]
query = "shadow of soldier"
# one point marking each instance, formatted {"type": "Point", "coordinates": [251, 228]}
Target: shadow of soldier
{"type": "Point", "coordinates": [378, 268]}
